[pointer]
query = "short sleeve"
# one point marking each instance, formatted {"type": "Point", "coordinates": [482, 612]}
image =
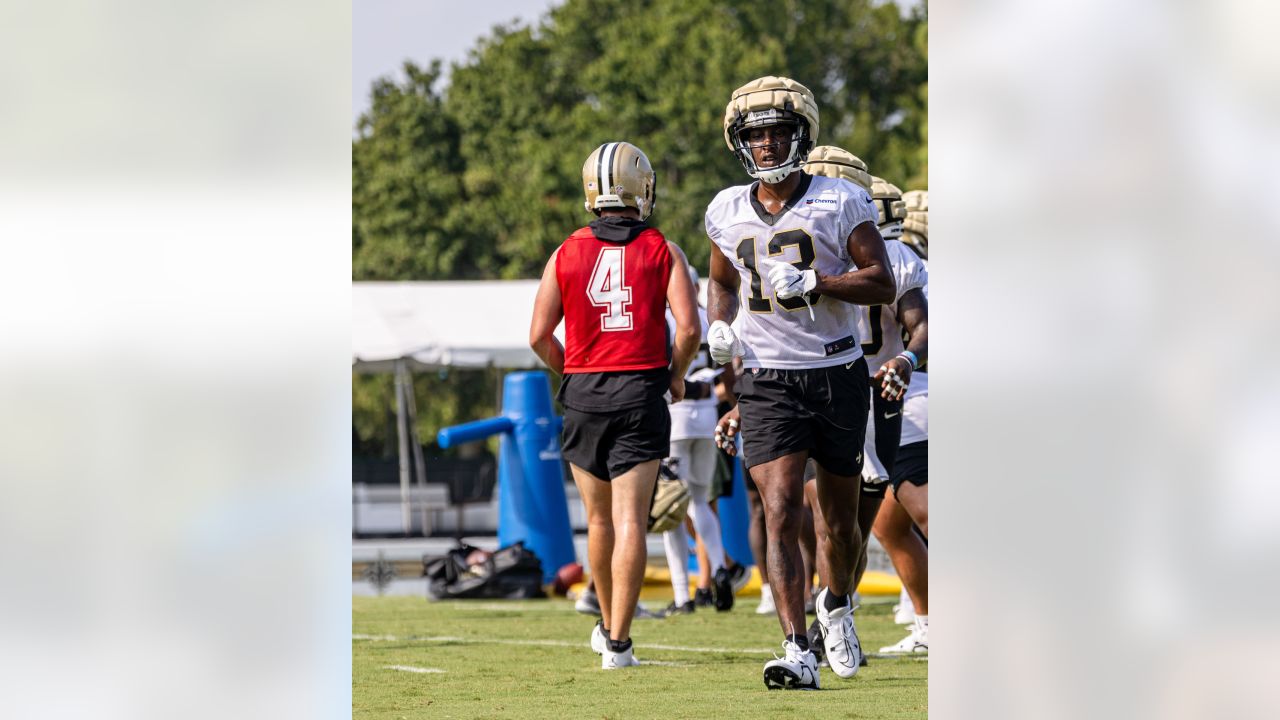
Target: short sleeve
{"type": "Point", "coordinates": [713, 232]}
{"type": "Point", "coordinates": [858, 207]}
{"type": "Point", "coordinates": [909, 271]}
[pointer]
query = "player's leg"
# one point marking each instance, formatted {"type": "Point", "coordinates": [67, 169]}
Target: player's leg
{"type": "Point", "coordinates": [914, 499]}
{"type": "Point", "coordinates": [632, 492]}
{"type": "Point", "coordinates": [756, 535]}
{"type": "Point", "coordinates": [896, 532]}
{"type": "Point", "coordinates": [839, 399]}
{"type": "Point", "coordinates": [676, 544]}
{"type": "Point", "coordinates": [880, 450]}
{"type": "Point", "coordinates": [809, 540]}
{"type": "Point", "coordinates": [700, 454]}
{"type": "Point", "coordinates": [781, 492]}
{"type": "Point", "coordinates": [596, 496]}
{"type": "Point", "coordinates": [836, 524]}
{"type": "Point", "coordinates": [909, 554]}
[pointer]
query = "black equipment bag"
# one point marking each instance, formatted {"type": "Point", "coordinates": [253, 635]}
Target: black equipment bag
{"type": "Point", "coordinates": [512, 573]}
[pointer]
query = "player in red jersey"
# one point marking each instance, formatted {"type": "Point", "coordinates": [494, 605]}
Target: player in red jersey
{"type": "Point", "coordinates": [611, 282]}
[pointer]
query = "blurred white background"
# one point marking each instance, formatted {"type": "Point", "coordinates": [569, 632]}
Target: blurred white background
{"type": "Point", "coordinates": [1105, 314]}
{"type": "Point", "coordinates": [174, 359]}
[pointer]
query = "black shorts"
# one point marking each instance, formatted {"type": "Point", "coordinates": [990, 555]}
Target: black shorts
{"type": "Point", "coordinates": [607, 444]}
{"type": "Point", "coordinates": [912, 465]}
{"type": "Point", "coordinates": [819, 410]}
{"type": "Point", "coordinates": [886, 417]}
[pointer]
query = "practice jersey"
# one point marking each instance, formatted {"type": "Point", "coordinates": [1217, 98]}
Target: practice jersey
{"type": "Point", "coordinates": [615, 297]}
{"type": "Point", "coordinates": [915, 410]}
{"type": "Point", "coordinates": [692, 419]}
{"type": "Point", "coordinates": [812, 231]}
{"type": "Point", "coordinates": [878, 325]}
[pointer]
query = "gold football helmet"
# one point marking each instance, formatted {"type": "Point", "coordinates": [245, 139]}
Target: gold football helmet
{"type": "Point", "coordinates": [893, 211]}
{"type": "Point", "coordinates": [771, 101]}
{"type": "Point", "coordinates": [916, 227]}
{"type": "Point", "coordinates": [618, 175]}
{"type": "Point", "coordinates": [833, 162]}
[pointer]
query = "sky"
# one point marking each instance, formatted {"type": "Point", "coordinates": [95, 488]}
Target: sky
{"type": "Point", "coordinates": [384, 33]}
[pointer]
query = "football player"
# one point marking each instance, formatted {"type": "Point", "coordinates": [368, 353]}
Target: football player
{"type": "Point", "coordinates": [694, 456]}
{"type": "Point", "coordinates": [882, 329]}
{"type": "Point", "coordinates": [787, 243]}
{"type": "Point", "coordinates": [611, 282]}
{"type": "Point", "coordinates": [906, 509]}
{"type": "Point", "coordinates": [915, 229]}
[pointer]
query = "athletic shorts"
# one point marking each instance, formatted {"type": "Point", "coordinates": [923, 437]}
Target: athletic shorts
{"type": "Point", "coordinates": [912, 465]}
{"type": "Point", "coordinates": [883, 435]}
{"type": "Point", "coordinates": [607, 444]}
{"type": "Point", "coordinates": [820, 410]}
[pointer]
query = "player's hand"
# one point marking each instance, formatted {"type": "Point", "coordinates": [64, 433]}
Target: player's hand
{"type": "Point", "coordinates": [723, 342]}
{"type": "Point", "coordinates": [676, 389]}
{"type": "Point", "coordinates": [727, 431]}
{"type": "Point", "coordinates": [894, 377]}
{"type": "Point", "coordinates": [789, 281]}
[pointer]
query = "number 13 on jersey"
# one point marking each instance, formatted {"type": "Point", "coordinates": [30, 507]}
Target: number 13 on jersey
{"type": "Point", "coordinates": [608, 289]}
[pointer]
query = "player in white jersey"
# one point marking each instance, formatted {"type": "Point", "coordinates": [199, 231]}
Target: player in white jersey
{"type": "Point", "coordinates": [908, 508]}
{"type": "Point", "coordinates": [694, 457]}
{"type": "Point", "coordinates": [882, 329]}
{"type": "Point", "coordinates": [803, 250]}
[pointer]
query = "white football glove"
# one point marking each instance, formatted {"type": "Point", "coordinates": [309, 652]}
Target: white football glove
{"type": "Point", "coordinates": [789, 281]}
{"type": "Point", "coordinates": [723, 342]}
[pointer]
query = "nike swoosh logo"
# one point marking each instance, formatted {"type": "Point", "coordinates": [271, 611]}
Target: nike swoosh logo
{"type": "Point", "coordinates": [889, 415]}
{"type": "Point", "coordinates": [849, 366]}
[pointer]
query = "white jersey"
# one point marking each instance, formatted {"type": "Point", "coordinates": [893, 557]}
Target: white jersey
{"type": "Point", "coordinates": [693, 419]}
{"type": "Point", "coordinates": [915, 410]}
{"type": "Point", "coordinates": [878, 325]}
{"type": "Point", "coordinates": [811, 231]}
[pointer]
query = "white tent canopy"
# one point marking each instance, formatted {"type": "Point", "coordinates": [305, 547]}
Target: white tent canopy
{"type": "Point", "coordinates": [459, 324]}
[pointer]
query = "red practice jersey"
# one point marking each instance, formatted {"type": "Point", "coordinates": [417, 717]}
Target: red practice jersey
{"type": "Point", "coordinates": [615, 298]}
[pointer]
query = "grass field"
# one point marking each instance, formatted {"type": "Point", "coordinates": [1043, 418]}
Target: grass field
{"type": "Point", "coordinates": [530, 659]}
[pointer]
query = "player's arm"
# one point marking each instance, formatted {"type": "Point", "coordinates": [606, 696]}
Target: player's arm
{"type": "Point", "coordinates": [871, 283]}
{"type": "Point", "coordinates": [683, 301]}
{"type": "Point", "coordinates": [722, 288]}
{"type": "Point", "coordinates": [722, 307]}
{"type": "Point", "coordinates": [547, 313]}
{"type": "Point", "coordinates": [913, 315]}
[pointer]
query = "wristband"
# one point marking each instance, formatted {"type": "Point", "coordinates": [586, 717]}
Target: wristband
{"type": "Point", "coordinates": [911, 358]}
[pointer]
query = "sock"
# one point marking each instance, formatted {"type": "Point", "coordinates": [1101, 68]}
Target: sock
{"type": "Point", "coordinates": [617, 646]}
{"type": "Point", "coordinates": [922, 621]}
{"type": "Point", "coordinates": [765, 592]}
{"type": "Point", "coordinates": [676, 544]}
{"type": "Point", "coordinates": [707, 525]}
{"type": "Point", "coordinates": [834, 601]}
{"type": "Point", "coordinates": [800, 640]}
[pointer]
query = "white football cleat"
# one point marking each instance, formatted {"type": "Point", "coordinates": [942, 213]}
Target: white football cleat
{"type": "Point", "coordinates": [599, 643]}
{"type": "Point", "coordinates": [796, 670]}
{"type": "Point", "coordinates": [610, 660]}
{"type": "Point", "coordinates": [766, 606]}
{"type": "Point", "coordinates": [839, 638]}
{"type": "Point", "coordinates": [910, 644]}
{"type": "Point", "coordinates": [904, 613]}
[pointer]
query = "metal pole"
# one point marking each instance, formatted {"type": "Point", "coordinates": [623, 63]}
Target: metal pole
{"type": "Point", "coordinates": [401, 433]}
{"type": "Point", "coordinates": [419, 464]}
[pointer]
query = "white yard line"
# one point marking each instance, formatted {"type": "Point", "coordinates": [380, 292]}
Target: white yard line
{"type": "Point", "coordinates": [412, 669]}
{"type": "Point", "coordinates": [566, 643]}
{"type": "Point", "coordinates": [551, 643]}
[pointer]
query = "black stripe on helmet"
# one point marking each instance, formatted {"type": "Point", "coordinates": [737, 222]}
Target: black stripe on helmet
{"type": "Point", "coordinates": [613, 152]}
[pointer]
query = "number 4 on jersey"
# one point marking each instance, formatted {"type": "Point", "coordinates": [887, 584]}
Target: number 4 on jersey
{"type": "Point", "coordinates": [608, 289]}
